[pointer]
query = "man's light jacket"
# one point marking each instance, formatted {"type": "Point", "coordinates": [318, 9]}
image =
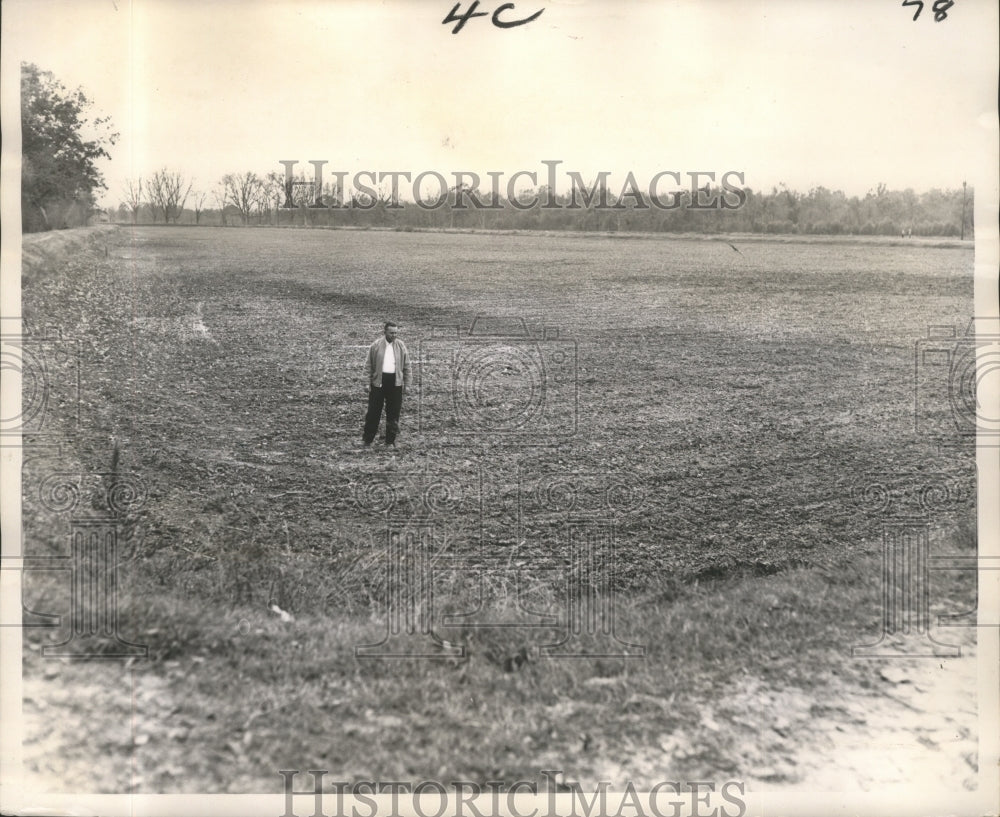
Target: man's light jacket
{"type": "Point", "coordinates": [376, 354]}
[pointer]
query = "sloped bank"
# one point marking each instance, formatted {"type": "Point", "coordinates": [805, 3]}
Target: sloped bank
{"type": "Point", "coordinates": [45, 249]}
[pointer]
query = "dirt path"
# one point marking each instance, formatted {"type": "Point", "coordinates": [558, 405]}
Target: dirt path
{"type": "Point", "coordinates": [916, 726]}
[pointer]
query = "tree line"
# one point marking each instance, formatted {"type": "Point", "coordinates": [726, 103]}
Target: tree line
{"type": "Point", "coordinates": [63, 139]}
{"type": "Point", "coordinates": [250, 199]}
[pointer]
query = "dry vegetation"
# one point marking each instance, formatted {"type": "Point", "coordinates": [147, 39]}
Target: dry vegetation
{"type": "Point", "coordinates": [733, 397]}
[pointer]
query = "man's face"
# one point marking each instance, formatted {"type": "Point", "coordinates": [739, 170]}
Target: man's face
{"type": "Point", "coordinates": [390, 333]}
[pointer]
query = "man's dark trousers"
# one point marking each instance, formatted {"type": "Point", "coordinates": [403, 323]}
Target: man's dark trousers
{"type": "Point", "coordinates": [391, 396]}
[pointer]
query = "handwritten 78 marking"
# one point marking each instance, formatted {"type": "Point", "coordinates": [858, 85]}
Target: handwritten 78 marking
{"type": "Point", "coordinates": [940, 8]}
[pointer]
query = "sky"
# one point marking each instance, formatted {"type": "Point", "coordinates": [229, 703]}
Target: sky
{"type": "Point", "coordinates": [844, 94]}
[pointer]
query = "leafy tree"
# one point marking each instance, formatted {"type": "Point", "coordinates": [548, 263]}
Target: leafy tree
{"type": "Point", "coordinates": [60, 146]}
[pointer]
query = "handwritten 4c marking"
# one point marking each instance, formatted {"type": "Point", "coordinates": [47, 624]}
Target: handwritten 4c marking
{"type": "Point", "coordinates": [461, 19]}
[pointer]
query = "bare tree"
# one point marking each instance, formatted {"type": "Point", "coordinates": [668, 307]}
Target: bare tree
{"type": "Point", "coordinates": [133, 197]}
{"type": "Point", "coordinates": [274, 191]}
{"type": "Point", "coordinates": [243, 191]}
{"type": "Point", "coordinates": [262, 201]}
{"type": "Point", "coordinates": [303, 192]}
{"type": "Point", "coordinates": [385, 205]}
{"type": "Point", "coordinates": [333, 194]}
{"type": "Point", "coordinates": [362, 200]}
{"type": "Point", "coordinates": [199, 205]}
{"type": "Point", "coordinates": [156, 195]}
{"type": "Point", "coordinates": [221, 199]}
{"type": "Point", "coordinates": [168, 192]}
{"type": "Point", "coordinates": [180, 195]}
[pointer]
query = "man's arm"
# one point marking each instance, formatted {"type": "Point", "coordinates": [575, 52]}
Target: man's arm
{"type": "Point", "coordinates": [406, 365]}
{"type": "Point", "coordinates": [369, 364]}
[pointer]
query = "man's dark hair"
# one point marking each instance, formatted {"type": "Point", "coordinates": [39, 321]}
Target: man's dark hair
{"type": "Point", "coordinates": [388, 324]}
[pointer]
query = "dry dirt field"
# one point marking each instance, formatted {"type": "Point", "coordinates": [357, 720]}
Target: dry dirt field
{"type": "Point", "coordinates": [673, 435]}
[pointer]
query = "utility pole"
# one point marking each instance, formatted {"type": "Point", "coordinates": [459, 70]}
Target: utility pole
{"type": "Point", "coordinates": [963, 210]}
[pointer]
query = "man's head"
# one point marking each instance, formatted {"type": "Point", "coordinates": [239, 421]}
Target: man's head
{"type": "Point", "coordinates": [390, 331]}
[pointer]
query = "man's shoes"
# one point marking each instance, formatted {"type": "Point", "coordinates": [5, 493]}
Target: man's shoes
{"type": "Point", "coordinates": [366, 446]}
{"type": "Point", "coordinates": [390, 446]}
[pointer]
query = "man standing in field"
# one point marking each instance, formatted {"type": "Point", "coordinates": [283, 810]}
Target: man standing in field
{"type": "Point", "coordinates": [387, 374]}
